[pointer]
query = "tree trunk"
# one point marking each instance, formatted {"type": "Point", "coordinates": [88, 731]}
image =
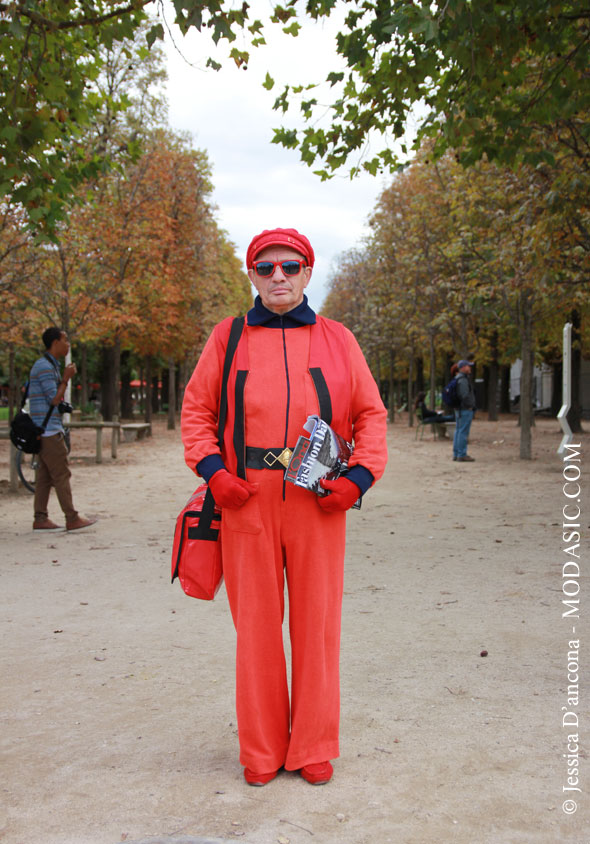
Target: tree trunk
{"type": "Point", "coordinates": [108, 399]}
{"type": "Point", "coordinates": [392, 391]}
{"type": "Point", "coordinates": [182, 382]}
{"type": "Point", "coordinates": [505, 389]}
{"type": "Point", "coordinates": [482, 395]}
{"type": "Point", "coordinates": [526, 378]}
{"type": "Point", "coordinates": [179, 389]}
{"type": "Point", "coordinates": [171, 394]}
{"type": "Point", "coordinates": [410, 389]}
{"type": "Point", "coordinates": [117, 376]}
{"type": "Point", "coordinates": [419, 374]}
{"type": "Point", "coordinates": [164, 392]}
{"type": "Point", "coordinates": [156, 392]}
{"type": "Point", "coordinates": [574, 416]}
{"type": "Point", "coordinates": [432, 373]}
{"type": "Point", "coordinates": [125, 394]}
{"type": "Point", "coordinates": [141, 391]}
{"type": "Point", "coordinates": [493, 381]}
{"type": "Point", "coordinates": [148, 388]}
{"type": "Point", "coordinates": [12, 397]}
{"type": "Point", "coordinates": [377, 370]}
{"type": "Point", "coordinates": [449, 361]}
{"type": "Point", "coordinates": [83, 376]}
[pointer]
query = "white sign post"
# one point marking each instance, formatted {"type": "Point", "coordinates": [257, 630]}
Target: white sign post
{"type": "Point", "coordinates": [66, 418]}
{"type": "Point", "coordinates": [567, 387]}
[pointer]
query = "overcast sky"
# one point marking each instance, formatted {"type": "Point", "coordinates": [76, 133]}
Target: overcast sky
{"type": "Point", "coordinates": [260, 185]}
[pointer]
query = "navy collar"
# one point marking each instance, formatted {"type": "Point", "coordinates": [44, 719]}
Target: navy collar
{"type": "Point", "coordinates": [300, 315]}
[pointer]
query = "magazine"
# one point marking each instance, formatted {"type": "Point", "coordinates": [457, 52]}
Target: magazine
{"type": "Point", "coordinates": [324, 455]}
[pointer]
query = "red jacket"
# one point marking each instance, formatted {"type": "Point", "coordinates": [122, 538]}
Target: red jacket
{"type": "Point", "coordinates": [280, 376]}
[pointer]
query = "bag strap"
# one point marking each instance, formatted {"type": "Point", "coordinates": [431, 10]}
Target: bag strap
{"type": "Point", "coordinates": [26, 393]}
{"type": "Point", "coordinates": [24, 401]}
{"type": "Point", "coordinates": [48, 357]}
{"type": "Point", "coordinates": [235, 333]}
{"type": "Point", "coordinates": [47, 415]}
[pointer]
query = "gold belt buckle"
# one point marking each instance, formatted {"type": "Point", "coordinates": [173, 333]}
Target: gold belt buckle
{"type": "Point", "coordinates": [285, 456]}
{"type": "Point", "coordinates": [270, 459]}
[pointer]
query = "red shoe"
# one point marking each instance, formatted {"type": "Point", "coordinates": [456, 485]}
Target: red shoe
{"type": "Point", "coordinates": [258, 779]}
{"type": "Point", "coordinates": [319, 773]}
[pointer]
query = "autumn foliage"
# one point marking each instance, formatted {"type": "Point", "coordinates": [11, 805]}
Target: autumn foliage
{"type": "Point", "coordinates": [484, 260]}
{"type": "Point", "coordinates": [142, 264]}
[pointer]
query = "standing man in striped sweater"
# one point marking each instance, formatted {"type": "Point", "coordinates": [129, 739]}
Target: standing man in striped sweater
{"type": "Point", "coordinates": [47, 389]}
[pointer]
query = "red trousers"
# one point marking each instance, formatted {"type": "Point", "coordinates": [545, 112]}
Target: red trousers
{"type": "Point", "coordinates": [264, 541]}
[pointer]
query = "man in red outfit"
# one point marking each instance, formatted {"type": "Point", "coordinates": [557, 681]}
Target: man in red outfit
{"type": "Point", "coordinates": [290, 363]}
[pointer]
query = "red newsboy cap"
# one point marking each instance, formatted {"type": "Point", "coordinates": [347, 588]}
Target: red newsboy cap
{"type": "Point", "coordinates": [280, 237]}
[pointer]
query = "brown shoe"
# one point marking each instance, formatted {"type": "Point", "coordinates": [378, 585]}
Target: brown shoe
{"type": "Point", "coordinates": [46, 524]}
{"type": "Point", "coordinates": [466, 459]}
{"type": "Point", "coordinates": [80, 523]}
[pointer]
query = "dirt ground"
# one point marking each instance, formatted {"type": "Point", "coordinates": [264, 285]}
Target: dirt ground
{"type": "Point", "coordinates": [117, 706]}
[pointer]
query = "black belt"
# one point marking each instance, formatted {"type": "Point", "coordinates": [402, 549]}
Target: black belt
{"type": "Point", "coordinates": [267, 458]}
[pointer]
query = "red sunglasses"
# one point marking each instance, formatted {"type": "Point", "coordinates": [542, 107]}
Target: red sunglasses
{"type": "Point", "coordinates": [267, 268]}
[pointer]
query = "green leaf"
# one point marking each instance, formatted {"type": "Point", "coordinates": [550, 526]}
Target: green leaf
{"type": "Point", "coordinates": [292, 29]}
{"type": "Point", "coordinates": [285, 137]}
{"type": "Point", "coordinates": [240, 57]}
{"type": "Point", "coordinates": [9, 132]}
{"type": "Point", "coordinates": [156, 32]}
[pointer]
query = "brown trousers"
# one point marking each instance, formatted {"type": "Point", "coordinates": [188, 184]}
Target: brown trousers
{"type": "Point", "coordinates": [53, 471]}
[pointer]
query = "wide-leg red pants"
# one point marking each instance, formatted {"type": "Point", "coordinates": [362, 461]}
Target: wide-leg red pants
{"type": "Point", "coordinates": [262, 541]}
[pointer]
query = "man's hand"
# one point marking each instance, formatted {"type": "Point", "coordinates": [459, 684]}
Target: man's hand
{"type": "Point", "coordinates": [69, 371]}
{"type": "Point", "coordinates": [343, 494]}
{"type": "Point", "coordinates": [229, 490]}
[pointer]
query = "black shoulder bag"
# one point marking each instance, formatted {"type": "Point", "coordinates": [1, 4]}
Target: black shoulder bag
{"type": "Point", "coordinates": [24, 434]}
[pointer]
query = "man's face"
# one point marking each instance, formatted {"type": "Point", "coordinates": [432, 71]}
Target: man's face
{"type": "Point", "coordinates": [62, 346]}
{"type": "Point", "coordinates": [279, 292]}
{"type": "Point", "coordinates": [466, 369]}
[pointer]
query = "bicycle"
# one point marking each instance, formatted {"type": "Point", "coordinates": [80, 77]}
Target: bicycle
{"type": "Point", "coordinates": [26, 467]}
{"type": "Point", "coordinates": [26, 464]}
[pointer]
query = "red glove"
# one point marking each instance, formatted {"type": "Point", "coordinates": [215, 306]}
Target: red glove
{"type": "Point", "coordinates": [229, 490]}
{"type": "Point", "coordinates": [343, 494]}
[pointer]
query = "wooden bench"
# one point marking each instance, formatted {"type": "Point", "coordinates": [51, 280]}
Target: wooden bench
{"type": "Point", "coordinates": [4, 434]}
{"type": "Point", "coordinates": [99, 425]}
{"type": "Point", "coordinates": [136, 430]}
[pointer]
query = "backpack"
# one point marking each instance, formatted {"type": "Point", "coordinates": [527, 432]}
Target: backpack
{"type": "Point", "coordinates": [24, 434]}
{"type": "Point", "coordinates": [450, 396]}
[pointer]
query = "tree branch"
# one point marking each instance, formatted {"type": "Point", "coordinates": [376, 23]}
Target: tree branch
{"type": "Point", "coordinates": [47, 23]}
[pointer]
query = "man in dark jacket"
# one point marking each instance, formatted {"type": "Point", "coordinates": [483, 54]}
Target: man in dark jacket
{"type": "Point", "coordinates": [464, 413]}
